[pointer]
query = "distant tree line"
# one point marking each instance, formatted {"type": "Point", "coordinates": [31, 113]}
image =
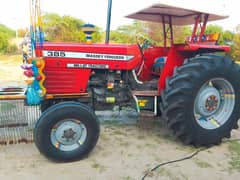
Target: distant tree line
{"type": "Point", "coordinates": [153, 32]}
{"type": "Point", "coordinates": [68, 29]}
{"type": "Point", "coordinates": [6, 34]}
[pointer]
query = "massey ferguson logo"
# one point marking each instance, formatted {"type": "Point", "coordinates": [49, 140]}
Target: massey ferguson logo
{"type": "Point", "coordinates": [104, 56]}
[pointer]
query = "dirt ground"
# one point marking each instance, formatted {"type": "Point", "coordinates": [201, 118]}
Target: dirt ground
{"type": "Point", "coordinates": [123, 152]}
{"type": "Point", "coordinates": [10, 71]}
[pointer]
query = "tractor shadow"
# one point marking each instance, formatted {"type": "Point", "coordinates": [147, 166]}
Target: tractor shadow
{"type": "Point", "coordinates": [127, 123]}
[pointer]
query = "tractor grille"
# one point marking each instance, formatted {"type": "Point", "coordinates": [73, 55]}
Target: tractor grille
{"type": "Point", "coordinates": [65, 81]}
{"type": "Point", "coordinates": [60, 81]}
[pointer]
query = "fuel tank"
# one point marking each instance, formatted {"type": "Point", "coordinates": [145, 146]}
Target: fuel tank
{"type": "Point", "coordinates": [68, 65]}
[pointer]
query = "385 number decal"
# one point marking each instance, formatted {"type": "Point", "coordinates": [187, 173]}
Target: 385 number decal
{"type": "Point", "coordinates": [55, 54]}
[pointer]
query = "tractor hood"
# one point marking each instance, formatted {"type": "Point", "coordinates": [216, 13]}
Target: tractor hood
{"type": "Point", "coordinates": [113, 56]}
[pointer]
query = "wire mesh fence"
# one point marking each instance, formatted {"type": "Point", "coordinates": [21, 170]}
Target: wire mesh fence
{"type": "Point", "coordinates": [17, 121]}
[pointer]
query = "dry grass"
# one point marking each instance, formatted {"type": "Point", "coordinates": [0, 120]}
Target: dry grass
{"type": "Point", "coordinates": [234, 149]}
{"type": "Point", "coordinates": [10, 71]}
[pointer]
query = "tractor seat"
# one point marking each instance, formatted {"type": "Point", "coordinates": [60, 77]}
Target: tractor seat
{"type": "Point", "coordinates": [158, 65]}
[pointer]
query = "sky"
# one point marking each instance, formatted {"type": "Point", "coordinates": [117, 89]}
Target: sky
{"type": "Point", "coordinates": [15, 13]}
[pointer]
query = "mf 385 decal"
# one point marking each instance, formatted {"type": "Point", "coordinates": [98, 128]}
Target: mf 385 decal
{"type": "Point", "coordinates": [84, 55]}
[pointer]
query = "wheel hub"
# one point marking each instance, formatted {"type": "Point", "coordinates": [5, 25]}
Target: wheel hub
{"type": "Point", "coordinates": [208, 101]}
{"type": "Point", "coordinates": [214, 103]}
{"type": "Point", "coordinates": [211, 103]}
{"type": "Point", "coordinates": [68, 133]}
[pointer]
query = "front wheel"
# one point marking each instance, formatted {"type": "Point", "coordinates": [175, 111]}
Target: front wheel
{"type": "Point", "coordinates": [202, 100]}
{"type": "Point", "coordinates": [66, 132]}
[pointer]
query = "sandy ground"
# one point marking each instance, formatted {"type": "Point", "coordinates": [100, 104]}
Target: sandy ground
{"type": "Point", "coordinates": [10, 72]}
{"type": "Point", "coordinates": [123, 152]}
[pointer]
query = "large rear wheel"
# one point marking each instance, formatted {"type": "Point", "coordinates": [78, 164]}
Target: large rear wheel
{"type": "Point", "coordinates": [66, 131]}
{"type": "Point", "coordinates": [201, 102]}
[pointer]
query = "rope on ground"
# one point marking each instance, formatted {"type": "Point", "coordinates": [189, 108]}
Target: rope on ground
{"type": "Point", "coordinates": [184, 158]}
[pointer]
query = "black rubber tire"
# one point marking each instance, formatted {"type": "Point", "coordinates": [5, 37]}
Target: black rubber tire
{"type": "Point", "coordinates": [56, 113]}
{"type": "Point", "coordinates": [180, 93]}
{"type": "Point", "coordinates": [45, 105]}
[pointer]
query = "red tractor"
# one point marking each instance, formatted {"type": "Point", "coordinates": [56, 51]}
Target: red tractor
{"type": "Point", "coordinates": [195, 90]}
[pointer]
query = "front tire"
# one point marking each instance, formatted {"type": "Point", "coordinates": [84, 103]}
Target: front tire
{"type": "Point", "coordinates": [201, 102]}
{"type": "Point", "coordinates": [66, 131]}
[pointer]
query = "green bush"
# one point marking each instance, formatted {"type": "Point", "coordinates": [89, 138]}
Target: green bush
{"type": "Point", "coordinates": [11, 49]}
{"type": "Point", "coordinates": [3, 42]}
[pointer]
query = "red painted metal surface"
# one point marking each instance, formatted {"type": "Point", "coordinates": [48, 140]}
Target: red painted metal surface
{"type": "Point", "coordinates": [174, 58]}
{"type": "Point", "coordinates": [150, 55]}
{"type": "Point", "coordinates": [195, 28]}
{"type": "Point", "coordinates": [203, 27]}
{"type": "Point", "coordinates": [62, 79]}
{"type": "Point", "coordinates": [196, 47]}
{"type": "Point", "coordinates": [97, 48]}
{"type": "Point", "coordinates": [178, 53]}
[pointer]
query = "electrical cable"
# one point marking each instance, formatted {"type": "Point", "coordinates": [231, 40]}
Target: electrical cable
{"type": "Point", "coordinates": [184, 158]}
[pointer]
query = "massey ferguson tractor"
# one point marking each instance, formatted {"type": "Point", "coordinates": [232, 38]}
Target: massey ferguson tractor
{"type": "Point", "coordinates": [192, 86]}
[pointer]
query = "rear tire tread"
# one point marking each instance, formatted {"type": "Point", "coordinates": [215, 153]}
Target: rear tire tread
{"type": "Point", "coordinates": [176, 95]}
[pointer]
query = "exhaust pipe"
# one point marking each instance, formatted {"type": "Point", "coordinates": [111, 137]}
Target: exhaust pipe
{"type": "Point", "coordinates": [109, 11]}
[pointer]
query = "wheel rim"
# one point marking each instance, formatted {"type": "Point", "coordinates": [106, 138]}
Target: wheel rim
{"type": "Point", "coordinates": [68, 135]}
{"type": "Point", "coordinates": [214, 103]}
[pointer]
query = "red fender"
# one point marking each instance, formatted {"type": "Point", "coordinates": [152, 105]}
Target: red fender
{"type": "Point", "coordinates": [174, 58]}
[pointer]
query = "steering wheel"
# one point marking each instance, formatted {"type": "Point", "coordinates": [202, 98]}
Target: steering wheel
{"type": "Point", "coordinates": [143, 42]}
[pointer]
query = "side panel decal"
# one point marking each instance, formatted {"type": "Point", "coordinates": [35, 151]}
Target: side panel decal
{"type": "Point", "coordinates": [84, 55]}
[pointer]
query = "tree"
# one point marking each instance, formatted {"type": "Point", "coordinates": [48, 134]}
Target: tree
{"type": "Point", "coordinates": [149, 30]}
{"type": "Point", "coordinates": [225, 37]}
{"type": "Point", "coordinates": [129, 33]}
{"type": "Point", "coordinates": [9, 32]}
{"type": "Point", "coordinates": [154, 32]}
{"type": "Point", "coordinates": [181, 33]}
{"type": "Point", "coordinates": [65, 29]}
{"type": "Point", "coordinates": [22, 32]}
{"type": "Point", "coordinates": [121, 37]}
{"type": "Point", "coordinates": [235, 53]}
{"type": "Point", "coordinates": [5, 34]}
{"type": "Point", "coordinates": [3, 42]}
